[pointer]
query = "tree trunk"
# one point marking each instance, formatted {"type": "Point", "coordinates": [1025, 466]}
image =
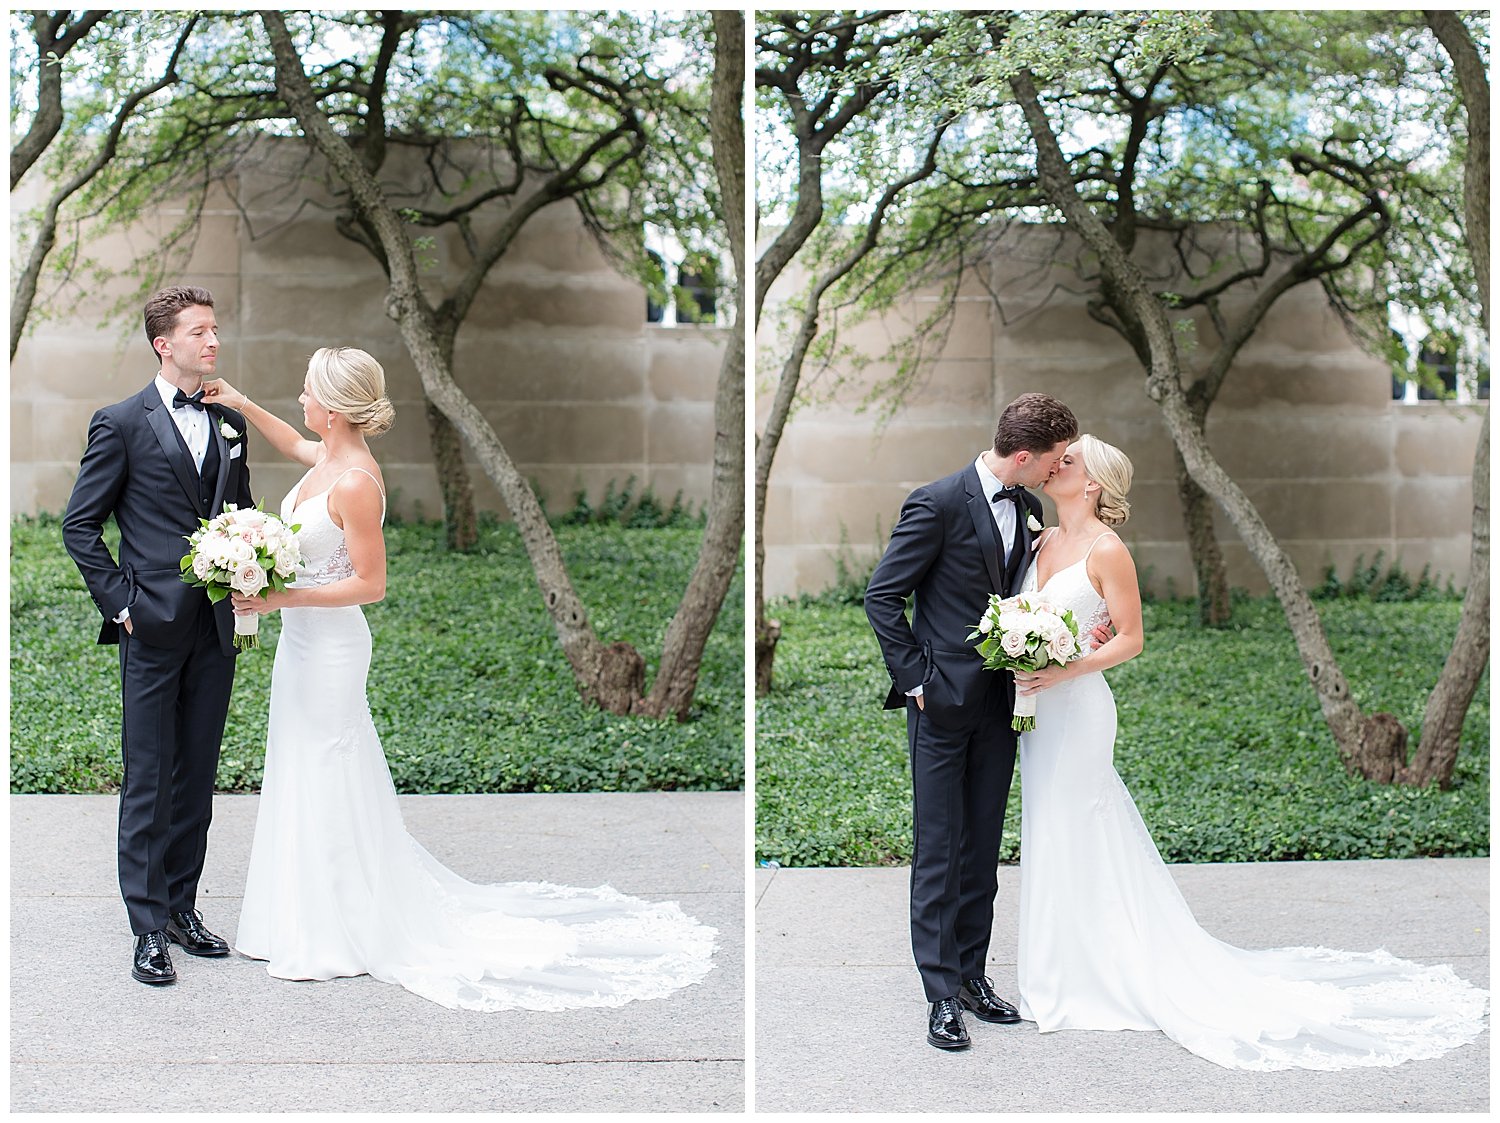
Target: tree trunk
{"type": "Point", "coordinates": [1366, 745]}
{"type": "Point", "coordinates": [460, 524]}
{"type": "Point", "coordinates": [687, 635]}
{"type": "Point", "coordinates": [1443, 720]}
{"type": "Point", "coordinates": [1203, 544]}
{"type": "Point", "coordinates": [607, 676]}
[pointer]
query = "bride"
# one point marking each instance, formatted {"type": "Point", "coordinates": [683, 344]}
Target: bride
{"type": "Point", "coordinates": [1107, 941]}
{"type": "Point", "coordinates": [336, 886]}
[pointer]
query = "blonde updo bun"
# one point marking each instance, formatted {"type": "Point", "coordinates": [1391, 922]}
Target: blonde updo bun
{"type": "Point", "coordinates": [350, 383]}
{"type": "Point", "coordinates": [1111, 469]}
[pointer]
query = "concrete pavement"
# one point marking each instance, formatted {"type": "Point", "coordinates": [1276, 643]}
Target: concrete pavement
{"type": "Point", "coordinates": [228, 1037]}
{"type": "Point", "coordinates": [840, 1021]}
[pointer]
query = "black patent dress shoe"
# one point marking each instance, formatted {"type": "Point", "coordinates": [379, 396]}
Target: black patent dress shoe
{"type": "Point", "coordinates": [186, 930]}
{"type": "Point", "coordinates": [977, 996]}
{"type": "Point", "coordinates": [152, 963]}
{"type": "Point", "coordinates": [945, 1025]}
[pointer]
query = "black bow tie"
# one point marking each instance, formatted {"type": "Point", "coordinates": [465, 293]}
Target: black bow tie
{"type": "Point", "coordinates": [1007, 491]}
{"type": "Point", "coordinates": [195, 401]}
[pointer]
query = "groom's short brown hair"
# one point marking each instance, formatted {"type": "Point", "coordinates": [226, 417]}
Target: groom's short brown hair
{"type": "Point", "coordinates": [163, 308]}
{"type": "Point", "coordinates": [1034, 422]}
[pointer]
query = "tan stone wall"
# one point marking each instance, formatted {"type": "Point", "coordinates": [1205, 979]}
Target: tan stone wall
{"type": "Point", "coordinates": [1304, 423]}
{"type": "Point", "coordinates": [556, 352]}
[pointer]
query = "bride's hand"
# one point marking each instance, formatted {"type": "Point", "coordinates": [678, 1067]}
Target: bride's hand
{"type": "Point", "coordinates": [1030, 682]}
{"type": "Point", "coordinates": [253, 606]}
{"type": "Point", "coordinates": [218, 391]}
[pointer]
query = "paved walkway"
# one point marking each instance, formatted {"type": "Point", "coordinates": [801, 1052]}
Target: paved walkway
{"type": "Point", "coordinates": [840, 1022]}
{"type": "Point", "coordinates": [227, 1037]}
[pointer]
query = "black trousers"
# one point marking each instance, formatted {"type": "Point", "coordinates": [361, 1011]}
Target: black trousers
{"type": "Point", "coordinates": [174, 702]}
{"type": "Point", "coordinates": [960, 783]}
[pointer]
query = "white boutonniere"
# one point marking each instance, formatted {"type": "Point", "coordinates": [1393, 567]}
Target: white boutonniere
{"type": "Point", "coordinates": [1031, 523]}
{"type": "Point", "coordinates": [229, 431]}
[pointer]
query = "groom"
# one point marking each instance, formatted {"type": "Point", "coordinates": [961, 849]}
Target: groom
{"type": "Point", "coordinates": [957, 541]}
{"type": "Point", "coordinates": [158, 462]}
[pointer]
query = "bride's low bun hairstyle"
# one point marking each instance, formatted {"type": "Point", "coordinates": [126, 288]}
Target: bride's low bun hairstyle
{"type": "Point", "coordinates": [350, 383]}
{"type": "Point", "coordinates": [1111, 469]}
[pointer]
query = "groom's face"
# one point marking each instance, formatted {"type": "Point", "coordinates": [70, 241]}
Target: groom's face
{"type": "Point", "coordinates": [1033, 469]}
{"type": "Point", "coordinates": [192, 346]}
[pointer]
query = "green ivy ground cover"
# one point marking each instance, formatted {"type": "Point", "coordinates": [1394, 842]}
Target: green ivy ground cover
{"type": "Point", "coordinates": [468, 687]}
{"type": "Point", "coordinates": [1220, 741]}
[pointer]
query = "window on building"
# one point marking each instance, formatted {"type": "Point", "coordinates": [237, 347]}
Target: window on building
{"type": "Point", "coordinates": [1438, 363]}
{"type": "Point", "coordinates": [697, 292]}
{"type": "Point", "coordinates": [654, 311]}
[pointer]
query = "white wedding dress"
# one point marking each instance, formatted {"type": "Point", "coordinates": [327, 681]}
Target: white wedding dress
{"type": "Point", "coordinates": [337, 887]}
{"type": "Point", "coordinates": [1108, 943]}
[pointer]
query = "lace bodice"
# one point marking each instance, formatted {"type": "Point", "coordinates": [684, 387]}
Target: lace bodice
{"type": "Point", "coordinates": [1070, 588]}
{"type": "Point", "coordinates": [325, 556]}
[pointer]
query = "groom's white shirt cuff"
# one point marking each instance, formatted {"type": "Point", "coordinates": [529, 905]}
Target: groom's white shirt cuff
{"type": "Point", "coordinates": [915, 692]}
{"type": "Point", "coordinates": [124, 616]}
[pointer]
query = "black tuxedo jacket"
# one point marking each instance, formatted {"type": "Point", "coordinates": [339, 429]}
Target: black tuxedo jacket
{"type": "Point", "coordinates": [138, 469]}
{"type": "Point", "coordinates": [945, 549]}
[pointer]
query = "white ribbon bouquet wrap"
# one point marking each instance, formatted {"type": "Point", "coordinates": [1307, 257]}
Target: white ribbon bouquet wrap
{"type": "Point", "coordinates": [242, 551]}
{"type": "Point", "coordinates": [1024, 633]}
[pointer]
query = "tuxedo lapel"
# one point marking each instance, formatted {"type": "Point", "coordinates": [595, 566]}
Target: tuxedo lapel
{"type": "Point", "coordinates": [1016, 566]}
{"type": "Point", "coordinates": [221, 481]}
{"type": "Point", "coordinates": [172, 445]}
{"type": "Point", "coordinates": [984, 528]}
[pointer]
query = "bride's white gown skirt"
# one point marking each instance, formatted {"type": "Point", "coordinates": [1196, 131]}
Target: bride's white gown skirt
{"type": "Point", "coordinates": [1107, 941]}
{"type": "Point", "coordinates": [337, 887]}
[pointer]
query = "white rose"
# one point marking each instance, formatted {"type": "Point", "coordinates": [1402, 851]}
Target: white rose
{"type": "Point", "coordinates": [1031, 523]}
{"type": "Point", "coordinates": [1062, 646]}
{"type": "Point", "coordinates": [286, 561]}
{"type": "Point", "coordinates": [1013, 644]}
{"type": "Point", "coordinates": [248, 579]}
{"type": "Point", "coordinates": [1048, 623]}
{"type": "Point", "coordinates": [202, 566]}
{"type": "Point", "coordinates": [229, 431]}
{"type": "Point", "coordinates": [251, 517]}
{"type": "Point", "coordinates": [215, 546]}
{"type": "Point", "coordinates": [238, 552]}
{"type": "Point", "coordinates": [986, 623]}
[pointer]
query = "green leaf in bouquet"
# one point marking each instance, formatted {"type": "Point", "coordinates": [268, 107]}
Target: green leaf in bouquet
{"type": "Point", "coordinates": [216, 593]}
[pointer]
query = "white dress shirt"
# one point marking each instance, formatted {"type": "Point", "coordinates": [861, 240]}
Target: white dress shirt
{"type": "Point", "coordinates": [191, 423]}
{"type": "Point", "coordinates": [1004, 513]}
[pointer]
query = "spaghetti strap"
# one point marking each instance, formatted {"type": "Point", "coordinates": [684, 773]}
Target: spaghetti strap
{"type": "Point", "coordinates": [1095, 542]}
{"type": "Point", "coordinates": [371, 474]}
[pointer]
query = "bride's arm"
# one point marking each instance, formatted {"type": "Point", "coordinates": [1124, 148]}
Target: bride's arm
{"type": "Point", "coordinates": [1112, 564]}
{"type": "Point", "coordinates": [356, 502]}
{"type": "Point", "coordinates": [278, 434]}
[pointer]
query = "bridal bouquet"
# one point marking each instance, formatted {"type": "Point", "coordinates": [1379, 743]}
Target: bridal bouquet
{"type": "Point", "coordinates": [1024, 633]}
{"type": "Point", "coordinates": [246, 552]}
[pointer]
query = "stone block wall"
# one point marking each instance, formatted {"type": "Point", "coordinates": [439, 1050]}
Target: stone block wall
{"type": "Point", "coordinates": [1304, 423]}
{"type": "Point", "coordinates": [556, 352]}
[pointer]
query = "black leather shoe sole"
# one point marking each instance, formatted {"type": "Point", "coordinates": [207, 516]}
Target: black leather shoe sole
{"type": "Point", "coordinates": [206, 953]}
{"type": "Point", "coordinates": [994, 1019]}
{"type": "Point", "coordinates": [941, 1043]}
{"type": "Point", "coordinates": [151, 980]}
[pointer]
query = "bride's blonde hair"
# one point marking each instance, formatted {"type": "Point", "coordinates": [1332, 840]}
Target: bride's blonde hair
{"type": "Point", "coordinates": [1111, 469]}
{"type": "Point", "coordinates": [350, 382]}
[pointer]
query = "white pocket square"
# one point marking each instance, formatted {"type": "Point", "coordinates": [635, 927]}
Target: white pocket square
{"type": "Point", "coordinates": [236, 450]}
